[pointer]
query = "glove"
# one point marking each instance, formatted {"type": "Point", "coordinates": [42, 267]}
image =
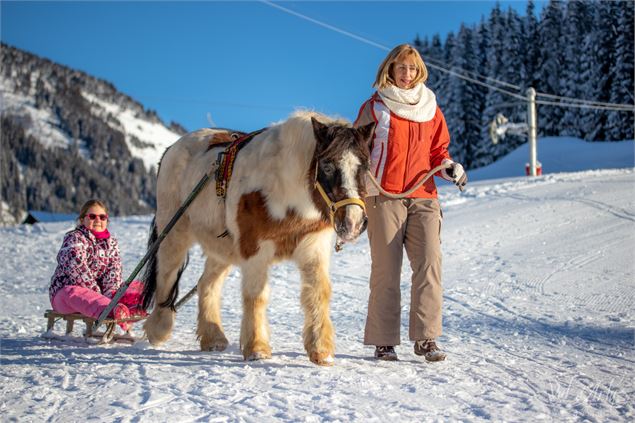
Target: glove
{"type": "Point", "coordinates": [455, 173]}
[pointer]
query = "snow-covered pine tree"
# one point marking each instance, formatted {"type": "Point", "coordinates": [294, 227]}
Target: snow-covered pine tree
{"type": "Point", "coordinates": [442, 82]}
{"type": "Point", "coordinates": [550, 66]}
{"type": "Point", "coordinates": [513, 73]}
{"type": "Point", "coordinates": [494, 99]}
{"type": "Point", "coordinates": [620, 124]}
{"type": "Point", "coordinates": [463, 102]}
{"type": "Point", "coordinates": [597, 75]}
{"type": "Point", "coordinates": [577, 27]}
{"type": "Point", "coordinates": [436, 53]}
{"type": "Point", "coordinates": [531, 48]}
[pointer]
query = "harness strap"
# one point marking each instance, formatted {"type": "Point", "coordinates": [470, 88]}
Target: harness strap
{"type": "Point", "coordinates": [333, 206]}
{"type": "Point", "coordinates": [225, 162]}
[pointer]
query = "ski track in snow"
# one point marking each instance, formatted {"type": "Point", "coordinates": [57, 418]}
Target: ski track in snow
{"type": "Point", "coordinates": [538, 325]}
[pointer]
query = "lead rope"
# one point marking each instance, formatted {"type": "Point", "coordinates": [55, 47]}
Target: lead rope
{"type": "Point", "coordinates": [411, 190]}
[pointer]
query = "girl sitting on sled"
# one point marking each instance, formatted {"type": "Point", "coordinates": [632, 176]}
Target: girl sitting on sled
{"type": "Point", "coordinates": [89, 270]}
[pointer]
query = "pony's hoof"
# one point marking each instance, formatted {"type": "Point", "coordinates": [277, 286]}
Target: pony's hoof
{"type": "Point", "coordinates": [219, 344]}
{"type": "Point", "coordinates": [258, 355]}
{"type": "Point", "coordinates": [322, 358]}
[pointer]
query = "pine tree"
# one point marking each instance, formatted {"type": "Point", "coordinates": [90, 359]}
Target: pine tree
{"type": "Point", "coordinates": [531, 48]}
{"type": "Point", "coordinates": [575, 31]}
{"type": "Point", "coordinates": [462, 100]}
{"type": "Point", "coordinates": [599, 48]}
{"type": "Point", "coordinates": [494, 69]}
{"type": "Point", "coordinates": [550, 66]}
{"type": "Point", "coordinates": [436, 54]}
{"type": "Point", "coordinates": [513, 73]}
{"type": "Point", "coordinates": [620, 124]}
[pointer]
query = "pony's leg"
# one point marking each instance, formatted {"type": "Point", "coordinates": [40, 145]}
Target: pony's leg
{"type": "Point", "coordinates": [210, 330]}
{"type": "Point", "coordinates": [254, 331]}
{"type": "Point", "coordinates": [170, 259]}
{"type": "Point", "coordinates": [315, 295]}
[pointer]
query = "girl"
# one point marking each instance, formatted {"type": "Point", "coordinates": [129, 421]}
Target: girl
{"type": "Point", "coordinates": [88, 271]}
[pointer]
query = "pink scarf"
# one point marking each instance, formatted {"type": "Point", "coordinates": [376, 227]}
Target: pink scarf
{"type": "Point", "coordinates": [101, 235]}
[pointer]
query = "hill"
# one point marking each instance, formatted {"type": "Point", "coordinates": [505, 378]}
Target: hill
{"type": "Point", "coordinates": [68, 137]}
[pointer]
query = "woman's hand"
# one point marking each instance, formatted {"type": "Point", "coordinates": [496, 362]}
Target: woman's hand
{"type": "Point", "coordinates": [455, 173]}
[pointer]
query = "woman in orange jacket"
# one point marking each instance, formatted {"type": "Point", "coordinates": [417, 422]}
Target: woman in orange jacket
{"type": "Point", "coordinates": [411, 138]}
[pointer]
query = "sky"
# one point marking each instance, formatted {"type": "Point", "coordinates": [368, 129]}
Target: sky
{"type": "Point", "coordinates": [241, 64]}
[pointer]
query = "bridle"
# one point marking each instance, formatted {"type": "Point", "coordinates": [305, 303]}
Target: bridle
{"type": "Point", "coordinates": [333, 206]}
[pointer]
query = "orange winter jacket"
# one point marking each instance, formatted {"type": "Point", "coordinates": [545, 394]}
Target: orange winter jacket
{"type": "Point", "coordinates": [403, 151]}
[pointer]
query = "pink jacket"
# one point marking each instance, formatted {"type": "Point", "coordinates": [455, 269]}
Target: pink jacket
{"type": "Point", "coordinates": [86, 261]}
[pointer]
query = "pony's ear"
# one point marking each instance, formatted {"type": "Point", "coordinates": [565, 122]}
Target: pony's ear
{"type": "Point", "coordinates": [366, 132]}
{"type": "Point", "coordinates": [320, 131]}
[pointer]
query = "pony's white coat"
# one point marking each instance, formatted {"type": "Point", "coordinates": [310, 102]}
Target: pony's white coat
{"type": "Point", "coordinates": [276, 165]}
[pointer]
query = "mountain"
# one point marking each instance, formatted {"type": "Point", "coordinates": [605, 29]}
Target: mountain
{"type": "Point", "coordinates": [68, 137]}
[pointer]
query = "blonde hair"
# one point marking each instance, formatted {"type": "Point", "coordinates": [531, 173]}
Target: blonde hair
{"type": "Point", "coordinates": [385, 72]}
{"type": "Point", "coordinates": [88, 204]}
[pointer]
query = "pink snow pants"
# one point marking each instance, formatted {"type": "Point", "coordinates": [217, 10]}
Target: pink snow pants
{"type": "Point", "coordinates": [77, 299]}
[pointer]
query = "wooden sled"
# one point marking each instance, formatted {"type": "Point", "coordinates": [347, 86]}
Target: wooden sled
{"type": "Point", "coordinates": [107, 336]}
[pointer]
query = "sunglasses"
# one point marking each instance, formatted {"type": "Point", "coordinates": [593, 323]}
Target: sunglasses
{"type": "Point", "coordinates": [93, 216]}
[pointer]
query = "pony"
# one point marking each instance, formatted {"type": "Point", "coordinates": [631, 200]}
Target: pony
{"type": "Point", "coordinates": [273, 210]}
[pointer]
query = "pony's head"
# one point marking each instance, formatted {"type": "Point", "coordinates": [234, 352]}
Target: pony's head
{"type": "Point", "coordinates": [342, 157]}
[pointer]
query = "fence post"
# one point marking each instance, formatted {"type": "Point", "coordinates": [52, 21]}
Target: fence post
{"type": "Point", "coordinates": [532, 130]}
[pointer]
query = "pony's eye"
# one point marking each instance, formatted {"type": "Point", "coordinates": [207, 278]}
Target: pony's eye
{"type": "Point", "coordinates": [328, 168]}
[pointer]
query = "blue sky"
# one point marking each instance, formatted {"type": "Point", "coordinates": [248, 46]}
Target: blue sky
{"type": "Point", "coordinates": [244, 63]}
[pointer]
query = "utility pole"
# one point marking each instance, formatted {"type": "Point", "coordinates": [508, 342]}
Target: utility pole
{"type": "Point", "coordinates": [531, 131]}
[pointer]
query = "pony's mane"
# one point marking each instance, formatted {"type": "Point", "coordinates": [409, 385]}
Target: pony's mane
{"type": "Point", "coordinates": [306, 115]}
{"type": "Point", "coordinates": [298, 129]}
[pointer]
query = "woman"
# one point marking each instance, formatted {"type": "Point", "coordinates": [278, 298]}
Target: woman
{"type": "Point", "coordinates": [411, 137]}
{"type": "Point", "coordinates": [88, 271]}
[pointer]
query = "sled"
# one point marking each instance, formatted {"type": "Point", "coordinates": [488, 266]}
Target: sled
{"type": "Point", "coordinates": [109, 335]}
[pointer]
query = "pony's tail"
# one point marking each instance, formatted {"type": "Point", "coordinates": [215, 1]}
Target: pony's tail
{"type": "Point", "coordinates": [150, 275]}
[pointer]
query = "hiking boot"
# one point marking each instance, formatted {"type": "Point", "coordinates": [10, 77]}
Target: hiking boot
{"type": "Point", "coordinates": [429, 349]}
{"type": "Point", "coordinates": [386, 353]}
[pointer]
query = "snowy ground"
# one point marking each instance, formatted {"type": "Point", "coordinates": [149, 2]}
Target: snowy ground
{"type": "Point", "coordinates": [538, 316]}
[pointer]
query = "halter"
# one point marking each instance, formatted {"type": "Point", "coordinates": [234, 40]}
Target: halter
{"type": "Point", "coordinates": [333, 205]}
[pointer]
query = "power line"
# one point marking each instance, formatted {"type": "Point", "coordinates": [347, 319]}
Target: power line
{"type": "Point", "coordinates": [572, 102]}
{"type": "Point", "coordinates": [588, 106]}
{"type": "Point", "coordinates": [477, 75]}
{"type": "Point", "coordinates": [383, 47]}
{"type": "Point", "coordinates": [588, 102]}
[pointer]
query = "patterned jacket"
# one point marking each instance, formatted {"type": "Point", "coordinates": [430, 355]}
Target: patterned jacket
{"type": "Point", "coordinates": [86, 261]}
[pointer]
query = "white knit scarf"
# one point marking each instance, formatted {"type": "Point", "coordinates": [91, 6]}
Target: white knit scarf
{"type": "Point", "coordinates": [418, 104]}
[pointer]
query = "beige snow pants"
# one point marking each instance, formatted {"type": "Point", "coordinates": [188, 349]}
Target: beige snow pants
{"type": "Point", "coordinates": [413, 223]}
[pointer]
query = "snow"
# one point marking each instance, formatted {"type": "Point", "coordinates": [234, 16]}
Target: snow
{"type": "Point", "coordinates": [539, 321]}
{"type": "Point", "coordinates": [39, 123]}
{"type": "Point", "coordinates": [154, 137]}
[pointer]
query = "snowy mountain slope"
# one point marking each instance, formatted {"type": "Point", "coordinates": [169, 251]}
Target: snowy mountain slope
{"type": "Point", "coordinates": [145, 134]}
{"type": "Point", "coordinates": [146, 139]}
{"type": "Point", "coordinates": [68, 136]}
{"type": "Point", "coordinates": [539, 325]}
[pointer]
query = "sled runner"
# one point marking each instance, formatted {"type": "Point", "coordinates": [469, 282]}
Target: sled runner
{"type": "Point", "coordinates": [107, 336]}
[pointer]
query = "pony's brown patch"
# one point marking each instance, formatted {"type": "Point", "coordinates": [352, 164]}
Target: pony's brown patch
{"type": "Point", "coordinates": [256, 225]}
